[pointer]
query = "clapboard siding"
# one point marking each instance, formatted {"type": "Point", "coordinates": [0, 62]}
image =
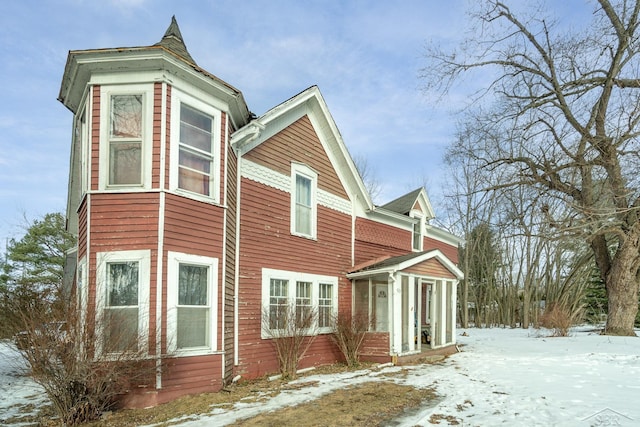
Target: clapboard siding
{"type": "Point", "coordinates": [449, 251]}
{"type": "Point", "coordinates": [431, 267]}
{"type": "Point", "coordinates": [82, 226]}
{"type": "Point", "coordinates": [95, 137]}
{"type": "Point", "coordinates": [124, 221]}
{"type": "Point", "coordinates": [156, 167]}
{"type": "Point", "coordinates": [374, 239]}
{"type": "Point", "coordinates": [230, 270]}
{"type": "Point", "coordinates": [299, 142]}
{"type": "Point", "coordinates": [266, 242]}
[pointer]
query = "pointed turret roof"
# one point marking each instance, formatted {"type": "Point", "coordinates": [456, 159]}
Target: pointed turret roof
{"type": "Point", "coordinates": [173, 41]}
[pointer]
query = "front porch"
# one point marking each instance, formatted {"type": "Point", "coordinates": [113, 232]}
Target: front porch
{"type": "Point", "coordinates": [410, 302]}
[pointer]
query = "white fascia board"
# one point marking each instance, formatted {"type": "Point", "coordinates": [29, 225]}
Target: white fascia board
{"type": "Point", "coordinates": [425, 203]}
{"type": "Point", "coordinates": [387, 217]}
{"type": "Point", "coordinates": [83, 65]}
{"type": "Point", "coordinates": [442, 235]}
{"type": "Point", "coordinates": [310, 103]}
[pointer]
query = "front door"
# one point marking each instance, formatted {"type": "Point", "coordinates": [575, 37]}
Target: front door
{"type": "Point", "coordinates": [382, 307]}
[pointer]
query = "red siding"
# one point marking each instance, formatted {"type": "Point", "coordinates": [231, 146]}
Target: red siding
{"type": "Point", "coordinates": [229, 278]}
{"type": "Point", "coordinates": [266, 242]}
{"type": "Point", "coordinates": [299, 142]}
{"type": "Point", "coordinates": [167, 147]}
{"type": "Point", "coordinates": [156, 167]}
{"type": "Point", "coordinates": [375, 347]}
{"type": "Point", "coordinates": [449, 251]}
{"type": "Point", "coordinates": [431, 267]}
{"type": "Point", "coordinates": [374, 239]}
{"type": "Point", "coordinates": [95, 138]}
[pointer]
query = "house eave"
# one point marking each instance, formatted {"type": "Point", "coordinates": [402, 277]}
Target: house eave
{"type": "Point", "coordinates": [83, 64]}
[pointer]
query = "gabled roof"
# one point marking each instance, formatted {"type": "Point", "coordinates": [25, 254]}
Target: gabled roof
{"type": "Point", "coordinates": [415, 200]}
{"type": "Point", "coordinates": [402, 262]}
{"type": "Point", "coordinates": [311, 103]}
{"type": "Point", "coordinates": [173, 41]}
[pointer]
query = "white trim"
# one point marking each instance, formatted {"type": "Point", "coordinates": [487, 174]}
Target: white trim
{"type": "Point", "coordinates": [292, 277]}
{"type": "Point", "coordinates": [174, 259]}
{"type": "Point", "coordinates": [282, 182]}
{"type": "Point", "coordinates": [177, 98]}
{"type": "Point", "coordinates": [143, 257]}
{"type": "Point", "coordinates": [106, 92]}
{"type": "Point", "coordinates": [304, 171]}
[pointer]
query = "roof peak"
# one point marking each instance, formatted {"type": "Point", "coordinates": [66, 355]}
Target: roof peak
{"type": "Point", "coordinates": [173, 41]}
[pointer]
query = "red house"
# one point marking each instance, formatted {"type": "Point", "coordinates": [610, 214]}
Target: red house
{"type": "Point", "coordinates": [195, 220]}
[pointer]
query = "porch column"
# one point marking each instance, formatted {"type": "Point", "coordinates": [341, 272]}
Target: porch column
{"type": "Point", "coordinates": [395, 311]}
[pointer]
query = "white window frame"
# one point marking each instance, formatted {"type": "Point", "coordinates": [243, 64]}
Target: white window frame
{"type": "Point", "coordinates": [173, 268]}
{"type": "Point", "coordinates": [419, 223]}
{"type": "Point", "coordinates": [298, 169]}
{"type": "Point", "coordinates": [106, 92]}
{"type": "Point", "coordinates": [293, 278]}
{"type": "Point", "coordinates": [177, 99]}
{"type": "Point", "coordinates": [82, 290]}
{"type": "Point", "coordinates": [143, 257]}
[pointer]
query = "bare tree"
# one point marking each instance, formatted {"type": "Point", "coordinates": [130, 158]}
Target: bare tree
{"type": "Point", "coordinates": [564, 122]}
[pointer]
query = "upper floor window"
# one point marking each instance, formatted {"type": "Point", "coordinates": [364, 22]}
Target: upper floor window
{"type": "Point", "coordinates": [196, 151]}
{"type": "Point", "coordinates": [125, 140]}
{"type": "Point", "coordinates": [195, 147]}
{"type": "Point", "coordinates": [125, 137]}
{"type": "Point", "coordinates": [417, 234]}
{"type": "Point", "coordinates": [303, 200]}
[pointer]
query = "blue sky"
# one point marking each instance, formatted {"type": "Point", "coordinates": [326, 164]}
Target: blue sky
{"type": "Point", "coordinates": [365, 56]}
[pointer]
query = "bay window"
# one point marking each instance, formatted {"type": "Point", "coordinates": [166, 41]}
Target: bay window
{"type": "Point", "coordinates": [122, 300]}
{"type": "Point", "coordinates": [195, 146]}
{"type": "Point", "coordinates": [196, 151]}
{"type": "Point", "coordinates": [125, 140]}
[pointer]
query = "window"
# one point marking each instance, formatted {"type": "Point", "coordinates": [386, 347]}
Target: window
{"type": "Point", "coordinates": [196, 151]}
{"type": "Point", "coordinates": [125, 137]}
{"type": "Point", "coordinates": [303, 201]}
{"type": "Point", "coordinates": [125, 140]}
{"type": "Point", "coordinates": [191, 303]}
{"type": "Point", "coordinates": [325, 305]}
{"type": "Point", "coordinates": [278, 303]}
{"type": "Point", "coordinates": [123, 300]}
{"type": "Point", "coordinates": [195, 144]}
{"type": "Point", "coordinates": [417, 234]}
{"type": "Point", "coordinates": [303, 302]}
{"type": "Point", "coordinates": [308, 294]}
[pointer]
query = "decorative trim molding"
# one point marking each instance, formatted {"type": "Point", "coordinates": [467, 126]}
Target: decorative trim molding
{"type": "Point", "coordinates": [282, 182]}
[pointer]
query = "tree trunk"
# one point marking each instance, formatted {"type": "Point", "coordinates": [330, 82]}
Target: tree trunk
{"type": "Point", "coordinates": [622, 287]}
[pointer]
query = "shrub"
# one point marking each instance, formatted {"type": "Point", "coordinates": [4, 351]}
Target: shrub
{"type": "Point", "coordinates": [559, 318]}
{"type": "Point", "coordinates": [80, 382]}
{"type": "Point", "coordinates": [349, 333]}
{"type": "Point", "coordinates": [291, 332]}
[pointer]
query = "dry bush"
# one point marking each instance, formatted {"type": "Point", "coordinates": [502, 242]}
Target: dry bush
{"type": "Point", "coordinates": [349, 334]}
{"type": "Point", "coordinates": [291, 331]}
{"type": "Point", "coordinates": [81, 382]}
{"type": "Point", "coordinates": [559, 317]}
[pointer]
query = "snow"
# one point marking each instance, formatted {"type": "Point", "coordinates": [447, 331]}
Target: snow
{"type": "Point", "coordinates": [16, 389]}
{"type": "Point", "coordinates": [511, 377]}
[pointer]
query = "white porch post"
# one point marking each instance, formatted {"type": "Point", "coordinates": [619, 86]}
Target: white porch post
{"type": "Point", "coordinates": [395, 311]}
{"type": "Point", "coordinates": [454, 304]}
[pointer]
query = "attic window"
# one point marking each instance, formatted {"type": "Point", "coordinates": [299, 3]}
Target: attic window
{"type": "Point", "coordinates": [417, 234]}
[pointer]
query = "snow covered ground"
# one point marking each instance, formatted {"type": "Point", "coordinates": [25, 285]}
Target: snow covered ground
{"type": "Point", "coordinates": [17, 391]}
{"type": "Point", "coordinates": [508, 377]}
